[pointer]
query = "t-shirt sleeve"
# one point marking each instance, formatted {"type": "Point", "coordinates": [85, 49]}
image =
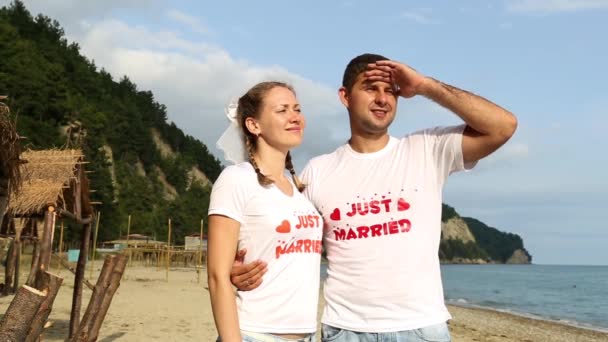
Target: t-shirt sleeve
{"type": "Point", "coordinates": [229, 194]}
{"type": "Point", "coordinates": [307, 178]}
{"type": "Point", "coordinates": [446, 144]}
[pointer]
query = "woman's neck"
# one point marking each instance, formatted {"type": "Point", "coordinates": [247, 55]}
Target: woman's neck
{"type": "Point", "coordinates": [270, 161]}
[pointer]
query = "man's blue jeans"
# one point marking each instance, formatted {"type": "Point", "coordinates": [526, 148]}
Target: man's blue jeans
{"type": "Point", "coordinates": [433, 333]}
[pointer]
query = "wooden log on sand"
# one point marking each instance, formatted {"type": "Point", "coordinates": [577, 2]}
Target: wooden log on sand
{"type": "Point", "coordinates": [46, 241]}
{"type": "Point", "coordinates": [9, 271]}
{"type": "Point", "coordinates": [103, 282]}
{"type": "Point", "coordinates": [50, 285]}
{"type": "Point", "coordinates": [117, 272]}
{"type": "Point", "coordinates": [17, 246]}
{"type": "Point", "coordinates": [107, 284]}
{"type": "Point", "coordinates": [16, 322]}
{"type": "Point", "coordinates": [78, 280]}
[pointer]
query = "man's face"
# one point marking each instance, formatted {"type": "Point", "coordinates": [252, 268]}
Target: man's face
{"type": "Point", "coordinates": [371, 106]}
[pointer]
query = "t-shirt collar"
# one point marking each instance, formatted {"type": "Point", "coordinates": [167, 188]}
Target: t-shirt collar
{"type": "Point", "coordinates": [392, 142]}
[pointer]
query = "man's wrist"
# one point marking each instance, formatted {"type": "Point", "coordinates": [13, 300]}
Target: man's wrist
{"type": "Point", "coordinates": [427, 87]}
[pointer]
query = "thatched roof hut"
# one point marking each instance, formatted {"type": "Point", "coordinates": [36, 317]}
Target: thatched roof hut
{"type": "Point", "coordinates": [10, 175]}
{"type": "Point", "coordinates": [51, 178]}
{"type": "Point", "coordinates": [9, 149]}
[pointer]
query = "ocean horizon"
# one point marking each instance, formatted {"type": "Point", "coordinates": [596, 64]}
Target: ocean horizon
{"type": "Point", "coordinates": [575, 295]}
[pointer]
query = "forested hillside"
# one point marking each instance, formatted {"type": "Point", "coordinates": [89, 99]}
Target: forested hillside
{"type": "Point", "coordinates": [476, 242]}
{"type": "Point", "coordinates": [60, 97]}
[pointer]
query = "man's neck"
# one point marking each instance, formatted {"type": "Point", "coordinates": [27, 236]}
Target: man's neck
{"type": "Point", "coordinates": [368, 144]}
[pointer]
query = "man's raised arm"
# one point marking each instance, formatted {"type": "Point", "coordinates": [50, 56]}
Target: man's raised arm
{"type": "Point", "coordinates": [489, 126]}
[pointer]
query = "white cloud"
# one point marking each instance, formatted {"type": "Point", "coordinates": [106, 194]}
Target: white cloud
{"type": "Point", "coordinates": [196, 81]}
{"type": "Point", "coordinates": [71, 12]}
{"type": "Point", "coordinates": [549, 6]}
{"type": "Point", "coordinates": [193, 23]}
{"type": "Point", "coordinates": [418, 17]}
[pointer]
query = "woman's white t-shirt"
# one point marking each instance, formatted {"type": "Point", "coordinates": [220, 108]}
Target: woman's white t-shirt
{"type": "Point", "coordinates": [286, 232]}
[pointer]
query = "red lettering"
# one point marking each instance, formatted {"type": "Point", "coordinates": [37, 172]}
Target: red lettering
{"type": "Point", "coordinates": [405, 224]}
{"type": "Point", "coordinates": [361, 211]}
{"type": "Point", "coordinates": [316, 217]}
{"type": "Point", "coordinates": [376, 228]}
{"type": "Point", "coordinates": [279, 250]}
{"type": "Point", "coordinates": [386, 203]}
{"type": "Point", "coordinates": [340, 234]}
{"type": "Point", "coordinates": [351, 235]}
{"type": "Point", "coordinates": [363, 230]}
{"type": "Point", "coordinates": [307, 244]}
{"type": "Point", "coordinates": [393, 227]}
{"type": "Point", "coordinates": [374, 207]}
{"type": "Point", "coordinates": [353, 212]}
{"type": "Point", "coordinates": [299, 246]}
{"type": "Point", "coordinates": [291, 248]}
{"type": "Point", "coordinates": [301, 222]}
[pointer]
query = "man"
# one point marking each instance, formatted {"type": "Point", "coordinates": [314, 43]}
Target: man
{"type": "Point", "coordinates": [381, 198]}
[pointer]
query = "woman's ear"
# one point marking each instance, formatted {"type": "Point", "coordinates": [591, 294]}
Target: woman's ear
{"type": "Point", "coordinates": [252, 126]}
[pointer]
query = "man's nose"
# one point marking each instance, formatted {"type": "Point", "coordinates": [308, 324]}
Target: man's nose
{"type": "Point", "coordinates": [381, 98]}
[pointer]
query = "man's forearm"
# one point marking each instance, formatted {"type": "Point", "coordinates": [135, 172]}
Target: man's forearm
{"type": "Point", "coordinates": [478, 113]}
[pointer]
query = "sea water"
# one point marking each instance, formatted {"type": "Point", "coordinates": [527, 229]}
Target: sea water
{"type": "Point", "coordinates": [575, 295]}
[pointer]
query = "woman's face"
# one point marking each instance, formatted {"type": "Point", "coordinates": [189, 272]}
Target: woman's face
{"type": "Point", "coordinates": [281, 123]}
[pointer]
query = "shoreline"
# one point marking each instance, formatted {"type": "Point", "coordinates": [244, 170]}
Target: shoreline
{"type": "Point", "coordinates": [480, 324]}
{"type": "Point", "coordinates": [530, 316]}
{"type": "Point", "coordinates": [148, 307]}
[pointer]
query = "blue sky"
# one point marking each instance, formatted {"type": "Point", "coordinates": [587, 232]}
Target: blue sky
{"type": "Point", "coordinates": [545, 60]}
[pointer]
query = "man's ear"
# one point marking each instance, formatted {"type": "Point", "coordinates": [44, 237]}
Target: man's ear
{"type": "Point", "coordinates": [252, 126]}
{"type": "Point", "coordinates": [343, 94]}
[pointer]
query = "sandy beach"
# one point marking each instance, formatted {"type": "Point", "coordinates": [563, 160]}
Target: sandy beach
{"type": "Point", "coordinates": [147, 307]}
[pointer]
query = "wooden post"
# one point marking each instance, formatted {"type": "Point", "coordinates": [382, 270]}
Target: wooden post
{"type": "Point", "coordinates": [117, 272]}
{"type": "Point", "coordinates": [168, 251]}
{"type": "Point", "coordinates": [4, 195]}
{"type": "Point", "coordinates": [94, 246]}
{"type": "Point", "coordinates": [200, 256]}
{"type": "Point", "coordinates": [50, 286]}
{"type": "Point", "coordinates": [78, 279]}
{"type": "Point", "coordinates": [60, 251]}
{"type": "Point", "coordinates": [128, 228]}
{"type": "Point", "coordinates": [15, 323]}
{"type": "Point", "coordinates": [9, 271]}
{"type": "Point", "coordinates": [46, 241]}
{"type": "Point", "coordinates": [103, 282]}
{"type": "Point", "coordinates": [17, 246]}
{"type": "Point", "coordinates": [128, 234]}
{"type": "Point", "coordinates": [31, 279]}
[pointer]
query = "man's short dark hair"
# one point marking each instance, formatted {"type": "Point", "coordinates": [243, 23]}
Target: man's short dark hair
{"type": "Point", "coordinates": [358, 65]}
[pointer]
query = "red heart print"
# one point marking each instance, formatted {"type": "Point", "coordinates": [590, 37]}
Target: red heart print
{"type": "Point", "coordinates": [335, 215]}
{"type": "Point", "coordinates": [285, 227]}
{"type": "Point", "coordinates": [402, 205]}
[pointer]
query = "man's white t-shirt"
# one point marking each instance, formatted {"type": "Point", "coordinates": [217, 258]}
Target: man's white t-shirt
{"type": "Point", "coordinates": [284, 231]}
{"type": "Point", "coordinates": [382, 214]}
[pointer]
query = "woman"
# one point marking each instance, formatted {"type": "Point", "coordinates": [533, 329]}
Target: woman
{"type": "Point", "coordinates": [254, 205]}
